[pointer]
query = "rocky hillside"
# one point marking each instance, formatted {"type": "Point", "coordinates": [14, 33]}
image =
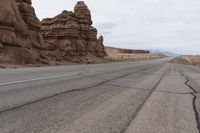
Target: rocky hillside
{"type": "Point", "coordinates": [24, 39]}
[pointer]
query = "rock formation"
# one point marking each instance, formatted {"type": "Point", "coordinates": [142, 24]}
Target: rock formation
{"type": "Point", "coordinates": [20, 32]}
{"type": "Point", "coordinates": [73, 33]}
{"type": "Point", "coordinates": [24, 39]}
{"type": "Point", "coordinates": [28, 15]}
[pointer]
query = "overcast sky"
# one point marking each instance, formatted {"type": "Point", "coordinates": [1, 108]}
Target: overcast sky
{"type": "Point", "coordinates": [172, 25]}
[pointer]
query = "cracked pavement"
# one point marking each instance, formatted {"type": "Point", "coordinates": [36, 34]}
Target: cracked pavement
{"type": "Point", "coordinates": [128, 97]}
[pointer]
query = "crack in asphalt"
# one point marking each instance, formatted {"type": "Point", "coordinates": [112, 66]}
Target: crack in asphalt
{"type": "Point", "coordinates": [92, 77]}
{"type": "Point", "coordinates": [134, 88]}
{"type": "Point", "coordinates": [194, 104]}
{"type": "Point", "coordinates": [68, 91]}
{"type": "Point", "coordinates": [16, 106]}
{"type": "Point", "coordinates": [135, 73]}
{"type": "Point", "coordinates": [143, 89]}
{"type": "Point", "coordinates": [140, 107]}
{"type": "Point", "coordinates": [193, 101]}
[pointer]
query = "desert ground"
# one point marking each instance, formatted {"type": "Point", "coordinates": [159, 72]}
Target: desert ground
{"type": "Point", "coordinates": [187, 60]}
{"type": "Point", "coordinates": [128, 54]}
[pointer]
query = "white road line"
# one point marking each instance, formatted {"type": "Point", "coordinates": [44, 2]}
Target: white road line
{"type": "Point", "coordinates": [36, 79]}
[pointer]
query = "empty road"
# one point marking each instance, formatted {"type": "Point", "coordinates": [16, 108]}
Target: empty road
{"type": "Point", "coordinates": [128, 97]}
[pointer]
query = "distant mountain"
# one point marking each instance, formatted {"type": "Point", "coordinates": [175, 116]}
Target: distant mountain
{"type": "Point", "coordinates": [167, 53]}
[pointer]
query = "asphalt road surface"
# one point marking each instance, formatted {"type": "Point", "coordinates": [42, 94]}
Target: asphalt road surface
{"type": "Point", "coordinates": [128, 97]}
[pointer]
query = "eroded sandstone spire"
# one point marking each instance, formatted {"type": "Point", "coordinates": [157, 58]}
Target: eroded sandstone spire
{"type": "Point", "coordinates": [20, 31]}
{"type": "Point", "coordinates": [24, 39]}
{"type": "Point", "coordinates": [73, 32]}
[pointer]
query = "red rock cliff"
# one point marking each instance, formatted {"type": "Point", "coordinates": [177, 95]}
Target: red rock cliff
{"type": "Point", "coordinates": [68, 35]}
{"type": "Point", "coordinates": [73, 33]}
{"type": "Point", "coordinates": [20, 32]}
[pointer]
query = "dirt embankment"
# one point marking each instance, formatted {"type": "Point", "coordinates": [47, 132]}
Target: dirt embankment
{"type": "Point", "coordinates": [130, 54]}
{"type": "Point", "coordinates": [187, 60]}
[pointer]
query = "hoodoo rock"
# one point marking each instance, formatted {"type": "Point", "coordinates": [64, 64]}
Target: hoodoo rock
{"type": "Point", "coordinates": [73, 33]}
{"type": "Point", "coordinates": [67, 36]}
{"type": "Point", "coordinates": [20, 32]}
{"type": "Point", "coordinates": [28, 15]}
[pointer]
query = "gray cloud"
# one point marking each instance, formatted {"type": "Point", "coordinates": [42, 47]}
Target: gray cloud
{"type": "Point", "coordinates": [105, 32]}
{"type": "Point", "coordinates": [107, 26]}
